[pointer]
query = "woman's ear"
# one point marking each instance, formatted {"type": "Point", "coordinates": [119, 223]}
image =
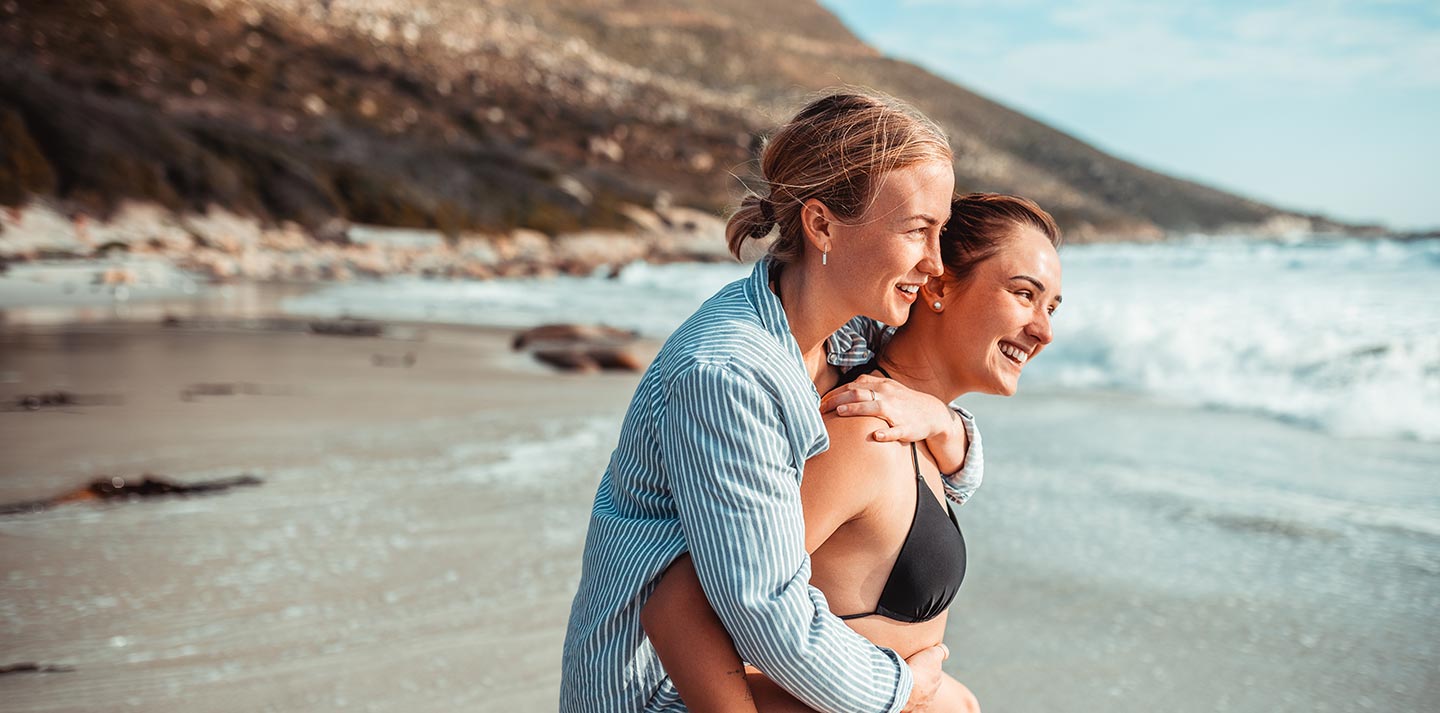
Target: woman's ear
{"type": "Point", "coordinates": [932, 293]}
{"type": "Point", "coordinates": [818, 223]}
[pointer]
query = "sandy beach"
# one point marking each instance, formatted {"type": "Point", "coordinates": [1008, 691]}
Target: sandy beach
{"type": "Point", "coordinates": [415, 543]}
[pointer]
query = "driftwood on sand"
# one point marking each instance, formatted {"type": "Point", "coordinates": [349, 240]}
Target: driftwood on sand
{"type": "Point", "coordinates": [580, 347]}
{"type": "Point", "coordinates": [348, 327]}
{"type": "Point", "coordinates": [120, 488]}
{"type": "Point", "coordinates": [55, 400]}
{"type": "Point", "coordinates": [32, 667]}
{"type": "Point", "coordinates": [230, 388]}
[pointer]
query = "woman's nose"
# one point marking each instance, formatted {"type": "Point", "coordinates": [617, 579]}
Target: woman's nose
{"type": "Point", "coordinates": [930, 263]}
{"type": "Point", "coordinates": [1040, 327]}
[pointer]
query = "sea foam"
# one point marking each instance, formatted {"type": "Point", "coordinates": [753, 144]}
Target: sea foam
{"type": "Point", "coordinates": [1341, 335]}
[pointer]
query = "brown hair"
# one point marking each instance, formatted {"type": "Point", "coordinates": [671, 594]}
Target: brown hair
{"type": "Point", "coordinates": [832, 151]}
{"type": "Point", "coordinates": [979, 222]}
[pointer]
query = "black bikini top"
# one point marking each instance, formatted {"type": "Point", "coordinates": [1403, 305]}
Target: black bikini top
{"type": "Point", "coordinates": [927, 574]}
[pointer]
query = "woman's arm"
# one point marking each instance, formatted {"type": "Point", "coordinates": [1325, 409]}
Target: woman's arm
{"type": "Point", "coordinates": [690, 639]}
{"type": "Point", "coordinates": [730, 467]}
{"type": "Point", "coordinates": [693, 645]}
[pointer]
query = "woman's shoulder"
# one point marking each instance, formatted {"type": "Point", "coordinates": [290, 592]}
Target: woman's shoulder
{"type": "Point", "coordinates": [854, 457]}
{"type": "Point", "coordinates": [732, 339]}
{"type": "Point", "coordinates": [852, 481]}
{"type": "Point", "coordinates": [736, 350]}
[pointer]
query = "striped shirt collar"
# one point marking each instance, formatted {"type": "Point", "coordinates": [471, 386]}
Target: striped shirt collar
{"type": "Point", "coordinates": [767, 304]}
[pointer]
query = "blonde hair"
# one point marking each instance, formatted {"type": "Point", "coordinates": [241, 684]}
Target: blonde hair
{"type": "Point", "coordinates": [832, 151]}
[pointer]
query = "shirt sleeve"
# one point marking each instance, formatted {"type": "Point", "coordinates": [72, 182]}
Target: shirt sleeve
{"type": "Point", "coordinates": [960, 485]}
{"type": "Point", "coordinates": [733, 473]}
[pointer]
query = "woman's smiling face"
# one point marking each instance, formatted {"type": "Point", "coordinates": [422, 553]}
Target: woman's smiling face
{"type": "Point", "coordinates": [998, 319]}
{"type": "Point", "coordinates": [893, 247]}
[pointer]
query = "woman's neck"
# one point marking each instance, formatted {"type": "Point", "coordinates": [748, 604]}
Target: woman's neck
{"type": "Point", "coordinates": [811, 323]}
{"type": "Point", "coordinates": [912, 362]}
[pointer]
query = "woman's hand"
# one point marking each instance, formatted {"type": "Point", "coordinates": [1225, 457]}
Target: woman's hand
{"type": "Point", "coordinates": [912, 415]}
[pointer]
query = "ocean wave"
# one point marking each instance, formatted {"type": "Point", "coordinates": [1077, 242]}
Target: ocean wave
{"type": "Point", "coordinates": [1343, 337]}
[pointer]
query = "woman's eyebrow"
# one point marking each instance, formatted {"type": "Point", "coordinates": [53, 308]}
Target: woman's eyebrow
{"type": "Point", "coordinates": [929, 219]}
{"type": "Point", "coordinates": [1038, 285]}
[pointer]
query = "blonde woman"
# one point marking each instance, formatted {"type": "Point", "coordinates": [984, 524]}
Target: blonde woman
{"type": "Point", "coordinates": [716, 438]}
{"type": "Point", "coordinates": [885, 547]}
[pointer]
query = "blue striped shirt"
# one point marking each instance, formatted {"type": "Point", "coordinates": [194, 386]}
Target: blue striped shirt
{"type": "Point", "coordinates": [709, 461]}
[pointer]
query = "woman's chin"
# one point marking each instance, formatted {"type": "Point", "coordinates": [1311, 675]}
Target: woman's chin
{"type": "Point", "coordinates": [1003, 387]}
{"type": "Point", "coordinates": [899, 315]}
{"type": "Point", "coordinates": [891, 316]}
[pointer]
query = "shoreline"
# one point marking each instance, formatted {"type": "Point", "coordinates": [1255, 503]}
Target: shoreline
{"type": "Point", "coordinates": [220, 247]}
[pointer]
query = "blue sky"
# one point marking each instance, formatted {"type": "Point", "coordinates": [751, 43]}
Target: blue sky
{"type": "Point", "coordinates": [1325, 106]}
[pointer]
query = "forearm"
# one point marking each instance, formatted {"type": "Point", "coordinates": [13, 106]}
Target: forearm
{"type": "Point", "coordinates": [813, 655]}
{"type": "Point", "coordinates": [693, 645]}
{"type": "Point", "coordinates": [962, 480]}
{"type": "Point", "coordinates": [949, 445]}
{"type": "Point", "coordinates": [737, 495]}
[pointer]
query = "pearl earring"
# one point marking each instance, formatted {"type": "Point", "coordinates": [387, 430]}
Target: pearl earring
{"type": "Point", "coordinates": [937, 305]}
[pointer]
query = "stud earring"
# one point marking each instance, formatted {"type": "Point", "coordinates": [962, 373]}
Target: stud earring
{"type": "Point", "coordinates": [937, 305]}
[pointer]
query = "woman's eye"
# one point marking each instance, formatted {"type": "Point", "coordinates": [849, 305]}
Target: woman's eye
{"type": "Point", "coordinates": [1027, 294]}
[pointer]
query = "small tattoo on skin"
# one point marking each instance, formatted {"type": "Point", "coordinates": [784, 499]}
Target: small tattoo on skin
{"type": "Point", "coordinates": [749, 694]}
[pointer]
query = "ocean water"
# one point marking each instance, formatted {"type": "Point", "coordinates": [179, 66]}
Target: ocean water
{"type": "Point", "coordinates": [1339, 335]}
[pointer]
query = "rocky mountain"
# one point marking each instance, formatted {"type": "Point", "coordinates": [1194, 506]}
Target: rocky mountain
{"type": "Point", "coordinates": [490, 115]}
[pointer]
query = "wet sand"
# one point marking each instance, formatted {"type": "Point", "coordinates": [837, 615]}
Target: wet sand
{"type": "Point", "coordinates": [414, 546]}
{"type": "Point", "coordinates": [416, 542]}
